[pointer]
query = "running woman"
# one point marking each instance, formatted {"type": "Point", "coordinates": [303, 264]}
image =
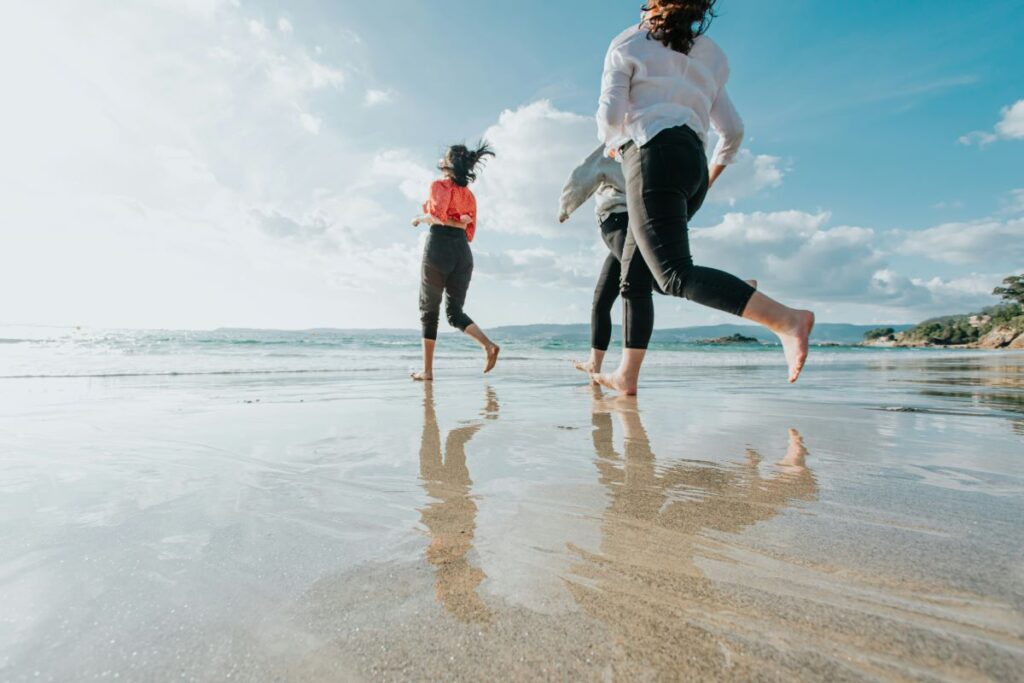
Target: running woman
{"type": "Point", "coordinates": [447, 259]}
{"type": "Point", "coordinates": [601, 177]}
{"type": "Point", "coordinates": [663, 86]}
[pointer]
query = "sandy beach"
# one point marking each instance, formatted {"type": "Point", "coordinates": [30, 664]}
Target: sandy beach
{"type": "Point", "coordinates": [262, 522]}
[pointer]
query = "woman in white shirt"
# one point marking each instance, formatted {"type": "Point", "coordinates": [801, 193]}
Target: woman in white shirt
{"type": "Point", "coordinates": [663, 86]}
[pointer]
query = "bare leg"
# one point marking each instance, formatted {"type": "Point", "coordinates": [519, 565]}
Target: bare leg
{"type": "Point", "coordinates": [791, 326]}
{"type": "Point", "coordinates": [624, 380]}
{"type": "Point", "coordinates": [489, 347]}
{"type": "Point", "coordinates": [593, 365]}
{"type": "Point", "coordinates": [427, 373]}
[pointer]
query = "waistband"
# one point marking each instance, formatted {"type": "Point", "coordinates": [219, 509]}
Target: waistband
{"type": "Point", "coordinates": [683, 130]}
{"type": "Point", "coordinates": [617, 220]}
{"type": "Point", "coordinates": [447, 231]}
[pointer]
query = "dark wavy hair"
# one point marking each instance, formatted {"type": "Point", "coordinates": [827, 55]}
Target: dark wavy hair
{"type": "Point", "coordinates": [460, 162]}
{"type": "Point", "coordinates": [679, 22]}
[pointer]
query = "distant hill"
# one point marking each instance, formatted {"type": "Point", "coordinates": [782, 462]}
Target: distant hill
{"type": "Point", "coordinates": [836, 333]}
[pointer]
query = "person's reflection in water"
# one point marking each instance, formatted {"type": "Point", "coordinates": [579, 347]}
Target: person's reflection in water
{"type": "Point", "coordinates": [645, 581]}
{"type": "Point", "coordinates": [451, 518]}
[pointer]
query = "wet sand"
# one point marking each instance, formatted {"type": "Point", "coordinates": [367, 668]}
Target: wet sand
{"type": "Point", "coordinates": [862, 525]}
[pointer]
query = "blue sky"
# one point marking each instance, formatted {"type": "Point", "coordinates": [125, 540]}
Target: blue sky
{"type": "Point", "coordinates": [203, 163]}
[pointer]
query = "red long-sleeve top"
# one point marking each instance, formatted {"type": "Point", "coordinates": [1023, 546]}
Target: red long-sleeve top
{"type": "Point", "coordinates": [448, 202]}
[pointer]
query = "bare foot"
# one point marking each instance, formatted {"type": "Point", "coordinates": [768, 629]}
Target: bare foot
{"type": "Point", "coordinates": [492, 357]}
{"type": "Point", "coordinates": [422, 376]}
{"type": "Point", "coordinates": [752, 283]}
{"type": "Point", "coordinates": [615, 381]}
{"type": "Point", "coordinates": [587, 367]}
{"type": "Point", "coordinates": [794, 343]}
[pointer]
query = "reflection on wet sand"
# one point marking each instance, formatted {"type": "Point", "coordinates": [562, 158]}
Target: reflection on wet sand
{"type": "Point", "coordinates": [451, 518]}
{"type": "Point", "coordinates": [645, 581]}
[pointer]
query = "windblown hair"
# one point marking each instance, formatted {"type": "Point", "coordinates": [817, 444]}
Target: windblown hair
{"type": "Point", "coordinates": [460, 162]}
{"type": "Point", "coordinates": [679, 22]}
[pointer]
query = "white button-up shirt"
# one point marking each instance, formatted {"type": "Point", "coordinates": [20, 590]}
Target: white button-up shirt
{"type": "Point", "coordinates": [648, 87]}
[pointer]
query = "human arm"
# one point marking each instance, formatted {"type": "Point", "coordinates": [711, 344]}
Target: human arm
{"type": "Point", "coordinates": [727, 123]}
{"type": "Point", "coordinates": [614, 101]}
{"type": "Point", "coordinates": [581, 185]}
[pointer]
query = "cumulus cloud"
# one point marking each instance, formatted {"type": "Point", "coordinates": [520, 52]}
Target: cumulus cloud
{"type": "Point", "coordinates": [983, 241]}
{"type": "Point", "coordinates": [749, 176]}
{"type": "Point", "coordinates": [537, 145]}
{"type": "Point", "coordinates": [1009, 127]}
{"type": "Point", "coordinates": [800, 256]}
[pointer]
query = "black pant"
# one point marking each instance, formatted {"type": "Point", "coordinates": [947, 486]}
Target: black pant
{"type": "Point", "coordinates": [666, 181]}
{"type": "Point", "coordinates": [447, 269]}
{"type": "Point", "coordinates": [613, 232]}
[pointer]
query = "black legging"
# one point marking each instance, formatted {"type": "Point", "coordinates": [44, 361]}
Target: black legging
{"type": "Point", "coordinates": [666, 181]}
{"type": "Point", "coordinates": [447, 269]}
{"type": "Point", "coordinates": [613, 232]}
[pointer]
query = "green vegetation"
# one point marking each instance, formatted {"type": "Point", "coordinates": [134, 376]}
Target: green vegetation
{"type": "Point", "coordinates": [1013, 292]}
{"type": "Point", "coordinates": [886, 333]}
{"type": "Point", "coordinates": [964, 329]}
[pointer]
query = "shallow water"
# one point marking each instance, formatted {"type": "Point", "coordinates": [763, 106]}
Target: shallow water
{"type": "Point", "coordinates": [312, 515]}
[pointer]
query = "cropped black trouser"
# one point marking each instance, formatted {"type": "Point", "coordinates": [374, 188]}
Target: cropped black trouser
{"type": "Point", "coordinates": [613, 232]}
{"type": "Point", "coordinates": [666, 182]}
{"type": "Point", "coordinates": [447, 269]}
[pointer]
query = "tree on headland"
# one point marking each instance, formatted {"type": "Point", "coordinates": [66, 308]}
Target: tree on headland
{"type": "Point", "coordinates": [1013, 290]}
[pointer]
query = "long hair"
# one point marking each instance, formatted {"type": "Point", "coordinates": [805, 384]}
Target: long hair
{"type": "Point", "coordinates": [678, 23]}
{"type": "Point", "coordinates": [460, 162]}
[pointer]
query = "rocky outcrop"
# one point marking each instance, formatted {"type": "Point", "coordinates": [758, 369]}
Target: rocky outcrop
{"type": "Point", "coordinates": [731, 339]}
{"type": "Point", "coordinates": [1000, 337]}
{"type": "Point", "coordinates": [1017, 343]}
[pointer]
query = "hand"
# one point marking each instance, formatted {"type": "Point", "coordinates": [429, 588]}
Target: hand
{"type": "Point", "coordinates": [465, 218]}
{"type": "Point", "coordinates": [416, 221]}
{"type": "Point", "coordinates": [613, 153]}
{"type": "Point", "coordinates": [563, 217]}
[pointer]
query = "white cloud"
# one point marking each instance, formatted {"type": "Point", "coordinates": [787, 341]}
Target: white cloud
{"type": "Point", "coordinates": [1009, 127]}
{"type": "Point", "coordinates": [396, 165]}
{"type": "Point", "coordinates": [983, 241]}
{"type": "Point", "coordinates": [192, 191]}
{"type": "Point", "coordinates": [537, 146]}
{"type": "Point", "coordinates": [376, 97]}
{"type": "Point", "coordinates": [749, 176]}
{"type": "Point", "coordinates": [284, 26]}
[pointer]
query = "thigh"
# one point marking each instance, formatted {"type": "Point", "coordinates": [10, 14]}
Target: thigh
{"type": "Point", "coordinates": [433, 276]}
{"type": "Point", "coordinates": [457, 283]}
{"type": "Point", "coordinates": [635, 278]}
{"type": "Point", "coordinates": [614, 236]}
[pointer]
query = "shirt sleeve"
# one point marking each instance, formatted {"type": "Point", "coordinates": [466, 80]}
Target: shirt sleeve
{"type": "Point", "coordinates": [582, 183]}
{"type": "Point", "coordinates": [727, 122]}
{"type": "Point", "coordinates": [614, 101]}
{"type": "Point", "coordinates": [471, 226]}
{"type": "Point", "coordinates": [440, 200]}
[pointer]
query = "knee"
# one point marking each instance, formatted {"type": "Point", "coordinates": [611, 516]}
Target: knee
{"type": "Point", "coordinates": [633, 290]}
{"type": "Point", "coordinates": [457, 318]}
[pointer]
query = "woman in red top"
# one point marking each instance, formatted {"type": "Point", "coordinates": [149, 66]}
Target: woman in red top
{"type": "Point", "coordinates": [447, 259]}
